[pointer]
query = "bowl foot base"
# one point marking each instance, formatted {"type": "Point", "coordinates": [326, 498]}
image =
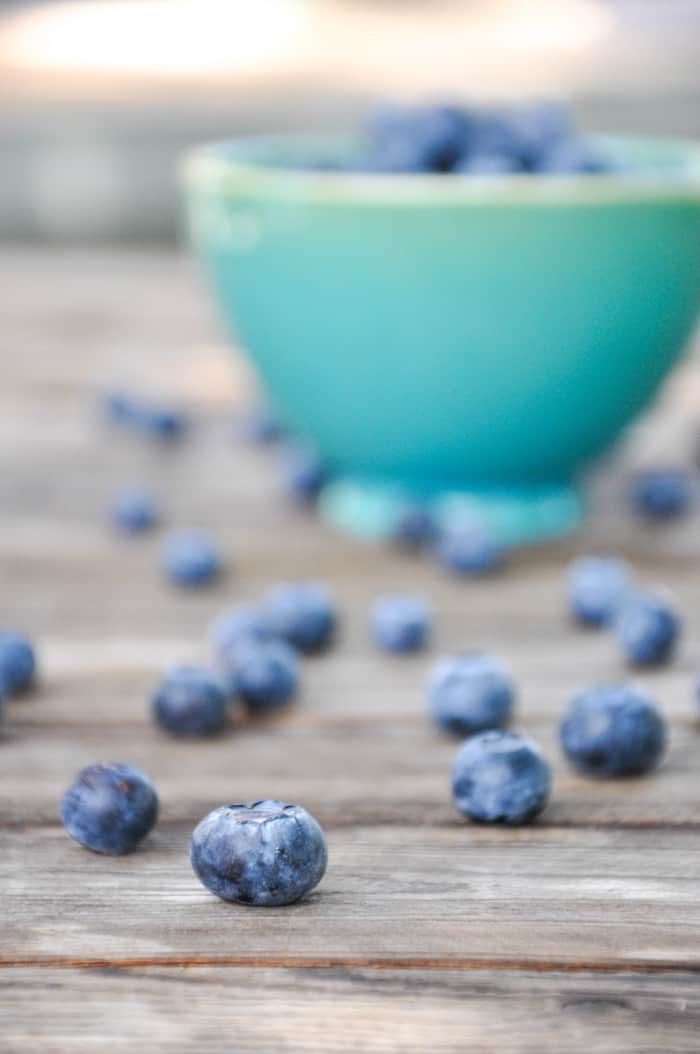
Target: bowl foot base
{"type": "Point", "coordinates": [516, 515]}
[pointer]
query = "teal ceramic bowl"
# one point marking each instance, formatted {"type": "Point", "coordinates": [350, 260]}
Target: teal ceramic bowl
{"type": "Point", "coordinates": [471, 342]}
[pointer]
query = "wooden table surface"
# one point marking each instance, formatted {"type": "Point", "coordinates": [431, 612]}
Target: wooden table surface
{"type": "Point", "coordinates": [428, 934]}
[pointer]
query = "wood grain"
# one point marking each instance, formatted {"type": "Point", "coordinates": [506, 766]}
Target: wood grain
{"type": "Point", "coordinates": [428, 933]}
{"type": "Point", "coordinates": [341, 1011]}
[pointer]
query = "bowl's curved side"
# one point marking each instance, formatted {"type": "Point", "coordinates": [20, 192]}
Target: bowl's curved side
{"type": "Point", "coordinates": [455, 346]}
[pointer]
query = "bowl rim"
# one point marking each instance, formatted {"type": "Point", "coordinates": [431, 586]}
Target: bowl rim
{"type": "Point", "coordinates": [205, 168]}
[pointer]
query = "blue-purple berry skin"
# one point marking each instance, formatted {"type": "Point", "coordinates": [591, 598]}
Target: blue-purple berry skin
{"type": "Point", "coordinates": [264, 675]}
{"type": "Point", "coordinates": [470, 693]}
{"type": "Point", "coordinates": [400, 624]}
{"type": "Point", "coordinates": [190, 701]}
{"type": "Point", "coordinates": [304, 474]}
{"type": "Point", "coordinates": [17, 663]}
{"type": "Point", "coordinates": [414, 527]}
{"type": "Point", "coordinates": [110, 807]}
{"type": "Point", "coordinates": [246, 624]}
{"type": "Point", "coordinates": [266, 854]}
{"type": "Point", "coordinates": [151, 419]}
{"type": "Point", "coordinates": [301, 613]}
{"type": "Point", "coordinates": [469, 551]}
{"type": "Point", "coordinates": [500, 777]}
{"type": "Point", "coordinates": [647, 630]}
{"type": "Point", "coordinates": [661, 495]}
{"type": "Point", "coordinates": [191, 559]}
{"type": "Point", "coordinates": [134, 510]}
{"type": "Point", "coordinates": [613, 731]}
{"type": "Point", "coordinates": [598, 586]}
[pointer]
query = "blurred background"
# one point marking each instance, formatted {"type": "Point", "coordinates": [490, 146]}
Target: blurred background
{"type": "Point", "coordinates": [99, 98]}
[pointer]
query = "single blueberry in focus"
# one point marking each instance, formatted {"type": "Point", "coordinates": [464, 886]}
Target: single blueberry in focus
{"type": "Point", "coordinates": [302, 613]}
{"type": "Point", "coordinates": [304, 473]}
{"type": "Point", "coordinates": [500, 777]}
{"type": "Point", "coordinates": [468, 550]}
{"type": "Point", "coordinates": [17, 663]}
{"type": "Point", "coordinates": [647, 630]}
{"type": "Point", "coordinates": [134, 510]}
{"type": "Point", "coordinates": [400, 624]}
{"type": "Point", "coordinates": [414, 527]}
{"type": "Point", "coordinates": [191, 559]}
{"type": "Point", "coordinates": [470, 693]}
{"type": "Point", "coordinates": [243, 624]}
{"type": "Point", "coordinates": [613, 730]}
{"type": "Point", "coordinates": [661, 495]}
{"type": "Point", "coordinates": [597, 588]}
{"type": "Point", "coordinates": [262, 425]}
{"type": "Point", "coordinates": [266, 854]}
{"type": "Point", "coordinates": [190, 702]}
{"type": "Point", "coordinates": [109, 807]}
{"type": "Point", "coordinates": [263, 674]}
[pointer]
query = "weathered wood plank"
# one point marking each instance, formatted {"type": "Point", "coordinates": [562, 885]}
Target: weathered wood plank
{"type": "Point", "coordinates": [391, 893]}
{"type": "Point", "coordinates": [341, 1011]}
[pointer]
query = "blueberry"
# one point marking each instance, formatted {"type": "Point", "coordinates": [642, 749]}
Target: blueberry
{"type": "Point", "coordinates": [647, 630]}
{"type": "Point", "coordinates": [262, 425]}
{"type": "Point", "coordinates": [418, 139]}
{"type": "Point", "coordinates": [414, 527]}
{"type": "Point", "coordinates": [109, 807]}
{"type": "Point", "coordinates": [400, 623]}
{"type": "Point", "coordinates": [238, 626]}
{"type": "Point", "coordinates": [134, 510]}
{"type": "Point", "coordinates": [613, 730]}
{"type": "Point", "coordinates": [468, 550]}
{"type": "Point", "coordinates": [597, 588]}
{"type": "Point", "coordinates": [120, 408]}
{"type": "Point", "coordinates": [190, 702]}
{"type": "Point", "coordinates": [571, 156]}
{"type": "Point", "coordinates": [662, 494]}
{"type": "Point", "coordinates": [470, 693]}
{"type": "Point", "coordinates": [500, 777]}
{"type": "Point", "coordinates": [487, 165]}
{"type": "Point", "coordinates": [162, 422]}
{"type": "Point", "coordinates": [264, 675]}
{"type": "Point", "coordinates": [302, 613]}
{"type": "Point", "coordinates": [17, 663]}
{"type": "Point", "coordinates": [191, 559]}
{"type": "Point", "coordinates": [304, 473]}
{"type": "Point", "coordinates": [265, 854]}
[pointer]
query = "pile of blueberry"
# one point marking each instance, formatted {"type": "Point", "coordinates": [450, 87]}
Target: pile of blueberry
{"type": "Point", "coordinates": [533, 138]}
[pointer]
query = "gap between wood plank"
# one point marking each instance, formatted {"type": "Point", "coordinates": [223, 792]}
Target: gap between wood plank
{"type": "Point", "coordinates": [296, 962]}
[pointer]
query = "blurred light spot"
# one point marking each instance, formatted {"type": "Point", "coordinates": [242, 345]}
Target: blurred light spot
{"type": "Point", "coordinates": [153, 36]}
{"type": "Point", "coordinates": [78, 189]}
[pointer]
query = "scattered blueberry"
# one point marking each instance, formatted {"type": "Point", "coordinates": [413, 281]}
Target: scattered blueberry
{"type": "Point", "coordinates": [304, 473]}
{"type": "Point", "coordinates": [302, 613]}
{"type": "Point", "coordinates": [414, 527]}
{"type": "Point", "coordinates": [120, 408]}
{"type": "Point", "coordinates": [134, 510]}
{"type": "Point", "coordinates": [109, 807]}
{"type": "Point", "coordinates": [500, 777]}
{"type": "Point", "coordinates": [17, 663]}
{"type": "Point", "coordinates": [468, 550]}
{"type": "Point", "coordinates": [470, 693]}
{"type": "Point", "coordinates": [190, 702]}
{"type": "Point", "coordinates": [264, 675]}
{"type": "Point", "coordinates": [597, 588]}
{"type": "Point", "coordinates": [647, 630]}
{"type": "Point", "coordinates": [400, 623]}
{"type": "Point", "coordinates": [265, 854]}
{"type": "Point", "coordinates": [662, 494]}
{"type": "Point", "coordinates": [191, 559]}
{"type": "Point", "coordinates": [239, 626]}
{"type": "Point", "coordinates": [613, 730]}
{"type": "Point", "coordinates": [162, 422]}
{"type": "Point", "coordinates": [262, 425]}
